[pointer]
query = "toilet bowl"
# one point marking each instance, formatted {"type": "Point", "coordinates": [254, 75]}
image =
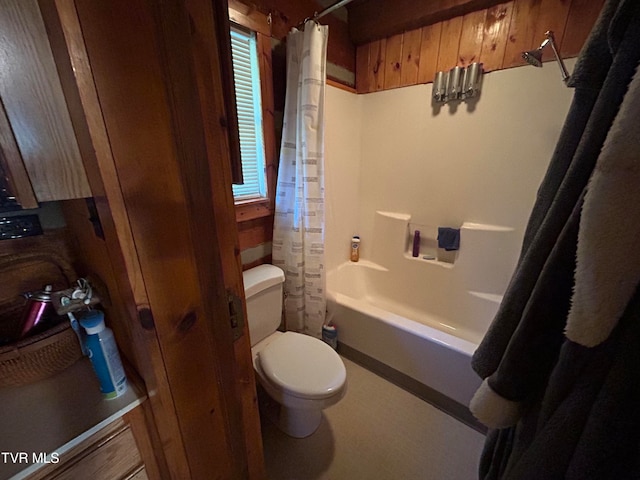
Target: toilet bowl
{"type": "Point", "coordinates": [301, 373]}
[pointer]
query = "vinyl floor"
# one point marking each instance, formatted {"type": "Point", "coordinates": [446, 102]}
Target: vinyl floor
{"type": "Point", "coordinates": [378, 431]}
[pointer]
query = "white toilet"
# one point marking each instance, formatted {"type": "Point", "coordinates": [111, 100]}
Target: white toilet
{"type": "Point", "coordinates": [302, 374]}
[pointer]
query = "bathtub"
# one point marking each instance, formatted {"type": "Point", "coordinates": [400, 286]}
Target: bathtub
{"type": "Point", "coordinates": [420, 319]}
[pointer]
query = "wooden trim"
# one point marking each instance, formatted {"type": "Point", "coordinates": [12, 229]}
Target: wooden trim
{"type": "Point", "coordinates": [94, 143]}
{"type": "Point", "coordinates": [245, 443]}
{"type": "Point", "coordinates": [341, 86]}
{"type": "Point", "coordinates": [140, 419]}
{"type": "Point", "coordinates": [250, 210]}
{"type": "Point", "coordinates": [268, 120]}
{"type": "Point", "coordinates": [223, 32]}
{"type": "Point", "coordinates": [249, 17]}
{"type": "Point", "coordinates": [13, 165]}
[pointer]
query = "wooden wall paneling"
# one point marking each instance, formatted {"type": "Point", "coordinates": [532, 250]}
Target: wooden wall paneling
{"type": "Point", "coordinates": [393, 62]}
{"type": "Point", "coordinates": [377, 61]}
{"type": "Point", "coordinates": [449, 44]}
{"type": "Point", "coordinates": [429, 51]}
{"type": "Point", "coordinates": [247, 443]}
{"type": "Point", "coordinates": [411, 48]}
{"type": "Point", "coordinates": [362, 69]}
{"type": "Point", "coordinates": [35, 105]}
{"type": "Point", "coordinates": [13, 166]}
{"type": "Point", "coordinates": [580, 20]}
{"type": "Point", "coordinates": [471, 37]}
{"type": "Point", "coordinates": [255, 232]}
{"type": "Point", "coordinates": [530, 20]}
{"type": "Point", "coordinates": [552, 16]}
{"type": "Point", "coordinates": [496, 30]}
{"type": "Point", "coordinates": [522, 32]}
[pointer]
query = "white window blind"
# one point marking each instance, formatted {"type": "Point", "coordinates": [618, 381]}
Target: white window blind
{"type": "Point", "coordinates": [249, 104]}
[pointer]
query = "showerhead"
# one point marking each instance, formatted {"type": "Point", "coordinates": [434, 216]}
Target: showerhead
{"type": "Point", "coordinates": [533, 57]}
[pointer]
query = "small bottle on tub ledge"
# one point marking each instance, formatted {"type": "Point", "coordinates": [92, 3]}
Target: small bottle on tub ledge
{"type": "Point", "coordinates": [355, 248]}
{"type": "Point", "coordinates": [416, 244]}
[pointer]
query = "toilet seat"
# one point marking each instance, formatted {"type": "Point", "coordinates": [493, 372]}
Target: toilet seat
{"type": "Point", "coordinates": [302, 366]}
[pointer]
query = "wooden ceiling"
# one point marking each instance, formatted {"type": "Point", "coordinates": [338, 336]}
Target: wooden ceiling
{"type": "Point", "coordinates": [375, 19]}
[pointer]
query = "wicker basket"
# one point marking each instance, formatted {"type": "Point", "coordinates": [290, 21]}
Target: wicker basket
{"type": "Point", "coordinates": [38, 357]}
{"type": "Point", "coordinates": [43, 355]}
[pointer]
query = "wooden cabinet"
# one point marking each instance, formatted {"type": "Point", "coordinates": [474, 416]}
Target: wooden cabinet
{"type": "Point", "coordinates": [117, 452]}
{"type": "Point", "coordinates": [36, 133]}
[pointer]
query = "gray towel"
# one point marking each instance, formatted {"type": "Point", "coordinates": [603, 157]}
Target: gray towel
{"type": "Point", "coordinates": [573, 399]}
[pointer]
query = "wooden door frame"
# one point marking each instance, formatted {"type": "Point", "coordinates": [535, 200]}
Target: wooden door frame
{"type": "Point", "coordinates": [143, 83]}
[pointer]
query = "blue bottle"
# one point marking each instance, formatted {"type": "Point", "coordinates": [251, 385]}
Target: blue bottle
{"type": "Point", "coordinates": [103, 352]}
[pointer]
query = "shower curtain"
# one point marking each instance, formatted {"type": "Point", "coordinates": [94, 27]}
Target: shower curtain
{"type": "Point", "coordinates": [561, 389]}
{"type": "Point", "coordinates": [298, 236]}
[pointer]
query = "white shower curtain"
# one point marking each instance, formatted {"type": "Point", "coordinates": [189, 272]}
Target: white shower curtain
{"type": "Point", "coordinates": [298, 236]}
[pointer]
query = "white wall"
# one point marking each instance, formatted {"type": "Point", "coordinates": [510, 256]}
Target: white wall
{"type": "Point", "coordinates": [343, 134]}
{"type": "Point", "coordinates": [390, 151]}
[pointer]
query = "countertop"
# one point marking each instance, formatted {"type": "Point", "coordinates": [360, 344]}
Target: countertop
{"type": "Point", "coordinates": [54, 415]}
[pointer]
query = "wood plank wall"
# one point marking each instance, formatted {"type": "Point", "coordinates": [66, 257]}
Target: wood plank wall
{"type": "Point", "coordinates": [495, 36]}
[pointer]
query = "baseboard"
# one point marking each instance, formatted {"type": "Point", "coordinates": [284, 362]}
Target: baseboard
{"type": "Point", "coordinates": [424, 392]}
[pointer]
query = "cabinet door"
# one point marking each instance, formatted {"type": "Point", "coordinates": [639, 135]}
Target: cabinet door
{"type": "Point", "coordinates": [116, 452]}
{"type": "Point", "coordinates": [35, 105]}
{"type": "Point", "coordinates": [11, 166]}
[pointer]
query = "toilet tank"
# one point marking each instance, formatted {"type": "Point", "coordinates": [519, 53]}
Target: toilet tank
{"type": "Point", "coordinates": [263, 292]}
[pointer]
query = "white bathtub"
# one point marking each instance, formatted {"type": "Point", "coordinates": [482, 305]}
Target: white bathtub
{"type": "Point", "coordinates": [422, 318]}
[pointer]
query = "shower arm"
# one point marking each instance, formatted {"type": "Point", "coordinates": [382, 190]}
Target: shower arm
{"type": "Point", "coordinates": [550, 39]}
{"type": "Point", "coordinates": [326, 11]}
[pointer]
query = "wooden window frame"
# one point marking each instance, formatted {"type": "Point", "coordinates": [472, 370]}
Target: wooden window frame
{"type": "Point", "coordinates": [258, 22]}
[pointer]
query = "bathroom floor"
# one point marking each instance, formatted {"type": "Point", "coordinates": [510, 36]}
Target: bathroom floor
{"type": "Point", "coordinates": [378, 431]}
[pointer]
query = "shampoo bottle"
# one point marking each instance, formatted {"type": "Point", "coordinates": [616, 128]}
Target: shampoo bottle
{"type": "Point", "coordinates": [103, 352]}
{"type": "Point", "coordinates": [355, 248]}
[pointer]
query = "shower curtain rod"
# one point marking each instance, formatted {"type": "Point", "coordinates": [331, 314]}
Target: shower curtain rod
{"type": "Point", "coordinates": [326, 11]}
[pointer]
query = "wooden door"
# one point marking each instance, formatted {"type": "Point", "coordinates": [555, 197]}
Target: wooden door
{"type": "Point", "coordinates": [143, 82]}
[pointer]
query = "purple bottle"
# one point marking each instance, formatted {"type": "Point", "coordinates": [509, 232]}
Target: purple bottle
{"type": "Point", "coordinates": [416, 244]}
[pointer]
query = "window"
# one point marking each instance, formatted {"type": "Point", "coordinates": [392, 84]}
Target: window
{"type": "Point", "coordinates": [249, 105]}
{"type": "Point", "coordinates": [251, 61]}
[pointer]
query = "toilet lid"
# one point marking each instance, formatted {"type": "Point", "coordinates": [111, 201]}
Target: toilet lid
{"type": "Point", "coordinates": [303, 366]}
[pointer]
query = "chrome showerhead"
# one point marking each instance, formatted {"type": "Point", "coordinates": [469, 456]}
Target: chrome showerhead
{"type": "Point", "coordinates": [533, 57]}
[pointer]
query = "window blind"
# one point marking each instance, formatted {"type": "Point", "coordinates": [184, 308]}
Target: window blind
{"type": "Point", "coordinates": [249, 104]}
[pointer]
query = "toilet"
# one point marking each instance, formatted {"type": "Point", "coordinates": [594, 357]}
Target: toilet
{"type": "Point", "coordinates": [302, 374]}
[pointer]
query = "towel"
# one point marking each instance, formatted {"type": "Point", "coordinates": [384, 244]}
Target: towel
{"type": "Point", "coordinates": [448, 238]}
{"type": "Point", "coordinates": [568, 408]}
